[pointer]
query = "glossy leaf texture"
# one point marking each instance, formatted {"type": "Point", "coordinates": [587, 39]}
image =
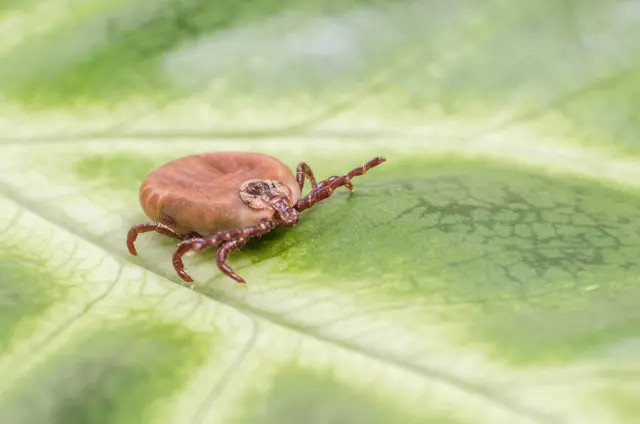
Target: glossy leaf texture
{"type": "Point", "coordinates": [487, 273]}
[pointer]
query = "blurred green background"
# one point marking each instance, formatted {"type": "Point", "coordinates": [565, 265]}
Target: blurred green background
{"type": "Point", "coordinates": [487, 273]}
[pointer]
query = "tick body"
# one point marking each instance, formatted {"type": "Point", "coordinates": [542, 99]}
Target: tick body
{"type": "Point", "coordinates": [224, 199]}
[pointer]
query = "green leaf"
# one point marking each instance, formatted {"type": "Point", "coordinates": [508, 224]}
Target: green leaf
{"type": "Point", "coordinates": [487, 272]}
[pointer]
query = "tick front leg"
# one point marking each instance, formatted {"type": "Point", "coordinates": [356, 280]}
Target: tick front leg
{"type": "Point", "coordinates": [324, 189]}
{"type": "Point", "coordinates": [200, 243]}
{"type": "Point", "coordinates": [221, 258]}
{"type": "Point", "coordinates": [331, 179]}
{"type": "Point", "coordinates": [150, 226]}
{"type": "Point", "coordinates": [303, 170]}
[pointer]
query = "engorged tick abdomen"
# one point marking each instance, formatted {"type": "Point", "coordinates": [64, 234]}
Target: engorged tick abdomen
{"type": "Point", "coordinates": [200, 193]}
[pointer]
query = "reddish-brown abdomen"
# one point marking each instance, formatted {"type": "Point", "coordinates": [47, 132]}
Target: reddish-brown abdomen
{"type": "Point", "coordinates": [200, 192]}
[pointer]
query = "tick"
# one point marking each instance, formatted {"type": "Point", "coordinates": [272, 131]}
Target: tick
{"type": "Point", "coordinates": [224, 199]}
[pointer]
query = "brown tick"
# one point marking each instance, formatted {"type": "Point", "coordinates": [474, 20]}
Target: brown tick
{"type": "Point", "coordinates": [224, 199]}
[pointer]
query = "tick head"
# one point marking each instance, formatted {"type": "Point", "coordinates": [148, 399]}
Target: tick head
{"type": "Point", "coordinates": [285, 214]}
{"type": "Point", "coordinates": [270, 194]}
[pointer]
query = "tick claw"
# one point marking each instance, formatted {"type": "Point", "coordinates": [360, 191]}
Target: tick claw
{"type": "Point", "coordinates": [131, 238]}
{"type": "Point", "coordinates": [186, 277]}
{"type": "Point", "coordinates": [349, 185]}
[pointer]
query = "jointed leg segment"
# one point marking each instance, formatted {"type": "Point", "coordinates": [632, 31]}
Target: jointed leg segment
{"type": "Point", "coordinates": [223, 252]}
{"type": "Point", "coordinates": [151, 226]}
{"type": "Point", "coordinates": [231, 240]}
{"type": "Point", "coordinates": [303, 170]}
{"type": "Point", "coordinates": [324, 189]}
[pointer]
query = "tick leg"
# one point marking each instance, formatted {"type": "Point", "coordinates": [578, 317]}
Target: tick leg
{"type": "Point", "coordinates": [324, 189]}
{"type": "Point", "coordinates": [145, 228]}
{"type": "Point", "coordinates": [180, 251]}
{"type": "Point", "coordinates": [221, 258]}
{"type": "Point", "coordinates": [303, 170]}
{"type": "Point", "coordinates": [329, 181]}
{"type": "Point", "coordinates": [200, 243]}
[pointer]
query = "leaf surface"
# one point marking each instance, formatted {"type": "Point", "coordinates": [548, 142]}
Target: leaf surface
{"type": "Point", "coordinates": [486, 273]}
